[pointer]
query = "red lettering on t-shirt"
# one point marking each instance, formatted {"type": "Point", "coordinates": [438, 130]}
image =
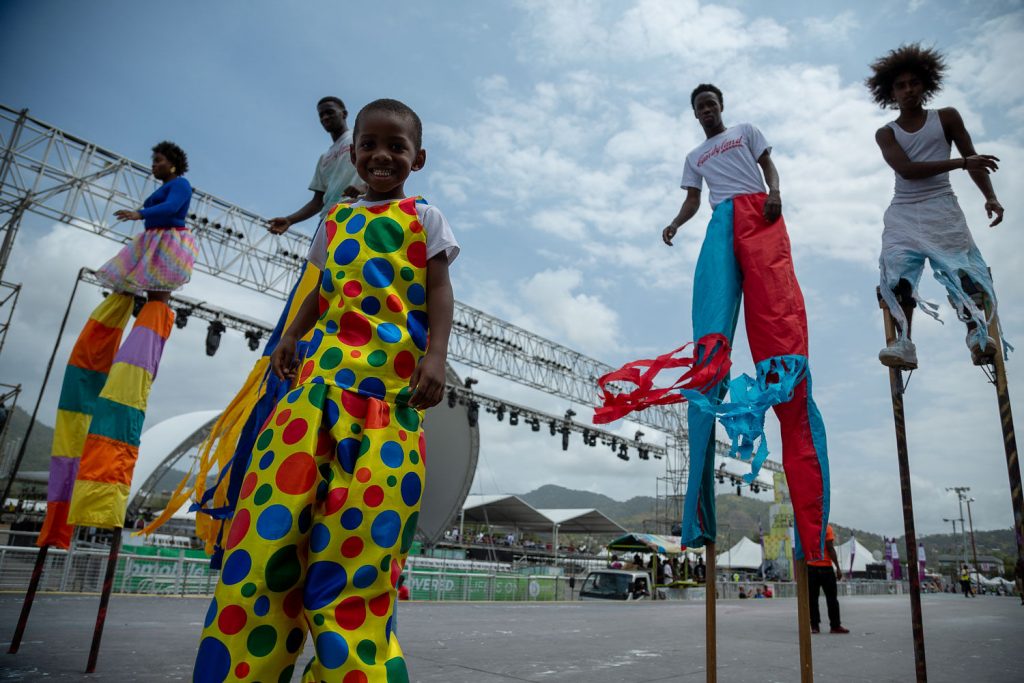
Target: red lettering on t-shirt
{"type": "Point", "coordinates": [718, 149]}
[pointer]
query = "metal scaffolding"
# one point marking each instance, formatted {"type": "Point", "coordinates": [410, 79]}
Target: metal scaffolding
{"type": "Point", "coordinates": [49, 172]}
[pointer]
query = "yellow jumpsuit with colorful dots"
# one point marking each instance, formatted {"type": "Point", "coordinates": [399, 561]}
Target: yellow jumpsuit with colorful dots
{"type": "Point", "coordinates": [330, 500]}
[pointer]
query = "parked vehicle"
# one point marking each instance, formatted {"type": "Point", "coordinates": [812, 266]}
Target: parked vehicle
{"type": "Point", "coordinates": [616, 584]}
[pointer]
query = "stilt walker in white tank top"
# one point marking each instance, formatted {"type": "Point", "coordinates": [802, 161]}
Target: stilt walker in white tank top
{"type": "Point", "coordinates": [924, 220]}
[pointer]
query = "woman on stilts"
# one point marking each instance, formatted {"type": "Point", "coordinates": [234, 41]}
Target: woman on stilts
{"type": "Point", "coordinates": [106, 385]}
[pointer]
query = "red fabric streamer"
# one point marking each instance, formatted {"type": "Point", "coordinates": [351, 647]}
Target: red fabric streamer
{"type": "Point", "coordinates": [708, 366]}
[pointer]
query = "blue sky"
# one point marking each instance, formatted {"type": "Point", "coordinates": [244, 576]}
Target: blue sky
{"type": "Point", "coordinates": [555, 135]}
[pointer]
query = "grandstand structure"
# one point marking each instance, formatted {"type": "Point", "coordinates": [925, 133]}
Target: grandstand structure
{"type": "Point", "coordinates": [51, 173]}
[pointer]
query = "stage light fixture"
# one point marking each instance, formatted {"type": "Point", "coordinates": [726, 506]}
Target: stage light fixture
{"type": "Point", "coordinates": [252, 338]}
{"type": "Point", "coordinates": [570, 414]}
{"type": "Point", "coordinates": [473, 414]}
{"type": "Point", "coordinates": [639, 435]}
{"type": "Point", "coordinates": [551, 426]}
{"type": "Point", "coordinates": [501, 412]}
{"type": "Point", "coordinates": [721, 479]}
{"type": "Point", "coordinates": [754, 488]}
{"type": "Point", "coordinates": [213, 335]}
{"type": "Point", "coordinates": [623, 453]}
{"type": "Point", "coordinates": [181, 317]}
{"type": "Point", "coordinates": [453, 398]}
{"type": "Point", "coordinates": [565, 439]}
{"type": "Point", "coordinates": [535, 425]}
{"type": "Point", "coordinates": [470, 381]}
{"type": "Point", "coordinates": [642, 454]}
{"type": "Point", "coordinates": [513, 418]}
{"type": "Point", "coordinates": [739, 490]}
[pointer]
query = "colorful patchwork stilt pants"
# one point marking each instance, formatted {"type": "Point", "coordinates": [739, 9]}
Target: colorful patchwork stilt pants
{"type": "Point", "coordinates": [100, 415]}
{"type": "Point", "coordinates": [326, 515]}
{"type": "Point", "coordinates": [743, 256]}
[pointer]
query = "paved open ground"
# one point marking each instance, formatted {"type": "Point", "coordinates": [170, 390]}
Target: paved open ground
{"type": "Point", "coordinates": [154, 639]}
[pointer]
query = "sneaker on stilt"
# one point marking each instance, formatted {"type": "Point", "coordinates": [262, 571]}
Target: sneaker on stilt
{"type": "Point", "coordinates": [901, 354]}
{"type": "Point", "coordinates": [979, 355]}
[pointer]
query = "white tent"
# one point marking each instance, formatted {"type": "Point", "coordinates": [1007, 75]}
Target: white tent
{"type": "Point", "coordinates": [861, 556]}
{"type": "Point", "coordinates": [744, 555]}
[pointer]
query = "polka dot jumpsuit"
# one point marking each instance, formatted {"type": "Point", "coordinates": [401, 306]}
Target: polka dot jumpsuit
{"type": "Point", "coordinates": [330, 501]}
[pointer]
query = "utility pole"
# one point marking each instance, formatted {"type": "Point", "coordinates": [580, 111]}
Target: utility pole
{"type": "Point", "coordinates": [956, 569]}
{"type": "Point", "coordinates": [974, 547]}
{"type": "Point", "coordinates": [961, 494]}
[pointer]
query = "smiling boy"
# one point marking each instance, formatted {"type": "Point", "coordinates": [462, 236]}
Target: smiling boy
{"type": "Point", "coordinates": [330, 503]}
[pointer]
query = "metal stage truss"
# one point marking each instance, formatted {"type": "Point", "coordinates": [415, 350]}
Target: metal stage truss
{"type": "Point", "coordinates": [49, 172]}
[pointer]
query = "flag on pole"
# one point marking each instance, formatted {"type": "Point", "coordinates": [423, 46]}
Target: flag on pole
{"type": "Point", "coordinates": [853, 551]}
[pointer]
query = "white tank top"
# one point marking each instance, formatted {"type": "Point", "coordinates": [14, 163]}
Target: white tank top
{"type": "Point", "coordinates": [927, 144]}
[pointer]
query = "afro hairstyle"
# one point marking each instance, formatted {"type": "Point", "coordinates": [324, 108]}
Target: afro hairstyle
{"type": "Point", "coordinates": [927, 63]}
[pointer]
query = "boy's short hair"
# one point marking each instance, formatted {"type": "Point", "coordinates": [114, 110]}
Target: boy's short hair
{"type": "Point", "coordinates": [927, 63]}
{"type": "Point", "coordinates": [332, 98]}
{"type": "Point", "coordinates": [706, 87]}
{"type": "Point", "coordinates": [397, 108]}
{"type": "Point", "coordinates": [174, 154]}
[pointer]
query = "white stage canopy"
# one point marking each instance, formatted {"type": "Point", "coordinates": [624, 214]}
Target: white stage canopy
{"type": "Point", "coordinates": [744, 555]}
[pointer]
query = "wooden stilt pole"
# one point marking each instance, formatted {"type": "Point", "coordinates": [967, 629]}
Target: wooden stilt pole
{"type": "Point", "coordinates": [710, 596]}
{"type": "Point", "coordinates": [30, 596]}
{"type": "Point", "coordinates": [1010, 446]}
{"type": "Point", "coordinates": [896, 387]}
{"type": "Point", "coordinates": [803, 620]}
{"type": "Point", "coordinates": [101, 616]}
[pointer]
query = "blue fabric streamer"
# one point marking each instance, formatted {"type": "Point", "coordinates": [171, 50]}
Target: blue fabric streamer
{"type": "Point", "coordinates": [749, 400]}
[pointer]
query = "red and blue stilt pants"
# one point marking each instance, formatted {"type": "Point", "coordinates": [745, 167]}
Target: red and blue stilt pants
{"type": "Point", "coordinates": [745, 257]}
{"type": "Point", "coordinates": [326, 515]}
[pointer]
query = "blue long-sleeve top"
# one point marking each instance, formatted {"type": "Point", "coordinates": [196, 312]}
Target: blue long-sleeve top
{"type": "Point", "coordinates": [168, 206]}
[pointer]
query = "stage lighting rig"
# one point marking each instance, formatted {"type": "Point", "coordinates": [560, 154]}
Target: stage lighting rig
{"type": "Point", "coordinates": [565, 438]}
{"type": "Point", "coordinates": [470, 381]}
{"type": "Point", "coordinates": [181, 317]}
{"type": "Point", "coordinates": [551, 427]}
{"type": "Point", "coordinates": [252, 338]}
{"type": "Point", "coordinates": [535, 425]}
{"type": "Point", "coordinates": [513, 418]}
{"type": "Point", "coordinates": [213, 335]}
{"type": "Point", "coordinates": [639, 435]}
{"type": "Point", "coordinates": [623, 453]}
{"type": "Point", "coordinates": [473, 413]}
{"type": "Point", "coordinates": [570, 414]}
{"type": "Point", "coordinates": [501, 412]}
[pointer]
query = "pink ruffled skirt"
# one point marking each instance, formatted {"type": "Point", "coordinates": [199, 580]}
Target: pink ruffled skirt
{"type": "Point", "coordinates": [157, 260]}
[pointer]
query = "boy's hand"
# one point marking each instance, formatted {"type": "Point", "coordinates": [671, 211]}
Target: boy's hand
{"type": "Point", "coordinates": [427, 382]}
{"type": "Point", "coordinates": [994, 208]}
{"type": "Point", "coordinates": [773, 206]}
{"type": "Point", "coordinates": [278, 225]}
{"type": "Point", "coordinates": [282, 360]}
{"type": "Point", "coordinates": [668, 233]}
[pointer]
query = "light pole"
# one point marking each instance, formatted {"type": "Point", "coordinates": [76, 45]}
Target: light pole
{"type": "Point", "coordinates": [974, 548]}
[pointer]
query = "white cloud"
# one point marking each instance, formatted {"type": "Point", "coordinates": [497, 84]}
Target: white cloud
{"type": "Point", "coordinates": [838, 28]}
